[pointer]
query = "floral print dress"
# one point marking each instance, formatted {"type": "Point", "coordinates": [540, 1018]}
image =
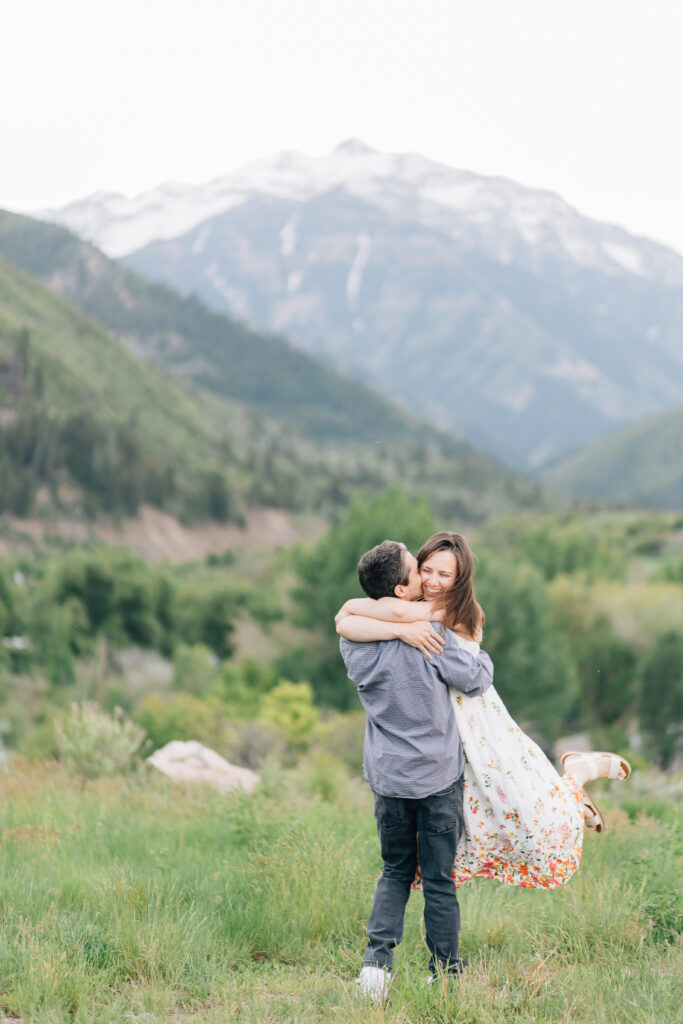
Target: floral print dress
{"type": "Point", "coordinates": [523, 823]}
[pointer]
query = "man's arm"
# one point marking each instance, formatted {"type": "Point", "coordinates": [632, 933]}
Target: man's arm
{"type": "Point", "coordinates": [418, 634]}
{"type": "Point", "coordinates": [471, 674]}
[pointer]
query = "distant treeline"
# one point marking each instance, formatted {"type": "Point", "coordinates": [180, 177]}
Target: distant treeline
{"type": "Point", "coordinates": [268, 425]}
{"type": "Point", "coordinates": [115, 467]}
{"type": "Point", "coordinates": [576, 645]}
{"type": "Point", "coordinates": [109, 462]}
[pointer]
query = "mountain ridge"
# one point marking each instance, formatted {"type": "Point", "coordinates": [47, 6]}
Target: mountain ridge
{"type": "Point", "coordinates": [641, 464]}
{"type": "Point", "coordinates": [358, 443]}
{"type": "Point", "coordinates": [364, 171]}
{"type": "Point", "coordinates": [548, 328]}
{"type": "Point", "coordinates": [528, 363]}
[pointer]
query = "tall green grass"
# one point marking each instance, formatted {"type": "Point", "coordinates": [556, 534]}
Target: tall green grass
{"type": "Point", "coordinates": [139, 901]}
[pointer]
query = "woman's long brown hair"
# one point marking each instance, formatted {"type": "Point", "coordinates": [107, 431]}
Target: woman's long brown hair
{"type": "Point", "coordinates": [462, 613]}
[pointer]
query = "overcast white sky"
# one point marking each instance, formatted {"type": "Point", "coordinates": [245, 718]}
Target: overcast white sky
{"type": "Point", "coordinates": [582, 97]}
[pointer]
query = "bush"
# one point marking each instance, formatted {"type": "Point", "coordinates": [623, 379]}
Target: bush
{"type": "Point", "coordinates": [328, 575]}
{"type": "Point", "coordinates": [323, 775]}
{"type": "Point", "coordinates": [250, 743]}
{"type": "Point", "coordinates": [180, 717]}
{"type": "Point", "coordinates": [205, 614]}
{"type": "Point", "coordinates": [661, 700]}
{"type": "Point", "coordinates": [195, 669]}
{"type": "Point", "coordinates": [92, 743]}
{"type": "Point", "coordinates": [289, 707]}
{"type": "Point", "coordinates": [342, 735]}
{"type": "Point", "coordinates": [535, 672]}
{"type": "Point", "coordinates": [671, 573]}
{"type": "Point", "coordinates": [114, 592]}
{"type": "Point", "coordinates": [40, 742]}
{"type": "Point", "coordinates": [571, 547]}
{"type": "Point", "coordinates": [607, 668]}
{"type": "Point", "coordinates": [243, 685]}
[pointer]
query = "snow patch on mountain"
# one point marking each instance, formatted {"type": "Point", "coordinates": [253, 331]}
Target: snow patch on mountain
{"type": "Point", "coordinates": [199, 244]}
{"type": "Point", "coordinates": [572, 367]}
{"type": "Point", "coordinates": [355, 275]}
{"type": "Point", "coordinates": [235, 297]}
{"type": "Point", "coordinates": [492, 213]}
{"type": "Point", "coordinates": [518, 399]}
{"type": "Point", "coordinates": [625, 255]}
{"type": "Point", "coordinates": [294, 281]}
{"type": "Point", "coordinates": [288, 234]}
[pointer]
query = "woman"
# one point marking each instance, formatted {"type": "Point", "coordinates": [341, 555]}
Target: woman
{"type": "Point", "coordinates": [523, 823]}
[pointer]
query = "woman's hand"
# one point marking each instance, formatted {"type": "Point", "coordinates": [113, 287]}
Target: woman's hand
{"type": "Point", "coordinates": [421, 635]}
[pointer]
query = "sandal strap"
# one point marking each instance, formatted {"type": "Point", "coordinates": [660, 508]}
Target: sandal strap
{"type": "Point", "coordinates": [615, 763]}
{"type": "Point", "coordinates": [587, 759]}
{"type": "Point", "coordinates": [597, 823]}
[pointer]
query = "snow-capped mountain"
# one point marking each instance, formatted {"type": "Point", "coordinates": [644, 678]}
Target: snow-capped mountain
{"type": "Point", "coordinates": [490, 212]}
{"type": "Point", "coordinates": [495, 310]}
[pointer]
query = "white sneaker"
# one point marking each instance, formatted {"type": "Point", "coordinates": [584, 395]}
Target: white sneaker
{"type": "Point", "coordinates": [374, 982]}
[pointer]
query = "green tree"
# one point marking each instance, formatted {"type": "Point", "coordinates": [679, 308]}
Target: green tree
{"type": "Point", "coordinates": [206, 612]}
{"type": "Point", "coordinates": [607, 668]}
{"type": "Point", "coordinates": [289, 707]}
{"type": "Point", "coordinates": [671, 573]}
{"type": "Point", "coordinates": [59, 655]}
{"type": "Point", "coordinates": [661, 699]}
{"type": "Point", "coordinates": [195, 669]}
{"type": "Point", "coordinates": [92, 743]}
{"type": "Point", "coordinates": [181, 716]}
{"type": "Point", "coordinates": [535, 672]}
{"type": "Point", "coordinates": [121, 595]}
{"type": "Point", "coordinates": [243, 685]}
{"type": "Point", "coordinates": [327, 576]}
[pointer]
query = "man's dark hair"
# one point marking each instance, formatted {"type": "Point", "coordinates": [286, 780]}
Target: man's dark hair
{"type": "Point", "coordinates": [382, 568]}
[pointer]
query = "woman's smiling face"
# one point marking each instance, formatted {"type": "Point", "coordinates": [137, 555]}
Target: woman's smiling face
{"type": "Point", "coordinates": [438, 574]}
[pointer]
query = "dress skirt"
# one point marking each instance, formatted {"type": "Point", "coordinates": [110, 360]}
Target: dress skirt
{"type": "Point", "coordinates": [523, 823]}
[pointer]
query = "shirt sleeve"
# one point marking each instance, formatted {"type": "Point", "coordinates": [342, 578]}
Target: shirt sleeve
{"type": "Point", "coordinates": [361, 659]}
{"type": "Point", "coordinates": [470, 673]}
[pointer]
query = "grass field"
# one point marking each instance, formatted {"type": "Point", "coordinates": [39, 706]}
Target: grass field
{"type": "Point", "coordinates": [127, 901]}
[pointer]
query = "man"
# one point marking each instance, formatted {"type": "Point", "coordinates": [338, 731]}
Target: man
{"type": "Point", "coordinates": [412, 759]}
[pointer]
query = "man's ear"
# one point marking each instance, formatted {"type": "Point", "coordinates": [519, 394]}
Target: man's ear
{"type": "Point", "coordinates": [400, 591]}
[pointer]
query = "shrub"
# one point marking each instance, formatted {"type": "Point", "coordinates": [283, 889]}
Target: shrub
{"type": "Point", "coordinates": [112, 591]}
{"type": "Point", "coordinates": [661, 699]}
{"type": "Point", "coordinates": [243, 685]}
{"type": "Point", "coordinates": [250, 743]}
{"type": "Point", "coordinates": [195, 669]}
{"type": "Point", "coordinates": [327, 575]}
{"type": "Point", "coordinates": [92, 743]}
{"type": "Point", "coordinates": [535, 672]}
{"type": "Point", "coordinates": [289, 707]}
{"type": "Point", "coordinates": [323, 775]}
{"type": "Point", "coordinates": [180, 717]}
{"type": "Point", "coordinates": [342, 735]}
{"type": "Point", "coordinates": [607, 670]}
{"type": "Point", "coordinates": [205, 612]}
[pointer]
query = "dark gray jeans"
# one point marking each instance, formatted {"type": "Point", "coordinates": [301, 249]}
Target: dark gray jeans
{"type": "Point", "coordinates": [430, 827]}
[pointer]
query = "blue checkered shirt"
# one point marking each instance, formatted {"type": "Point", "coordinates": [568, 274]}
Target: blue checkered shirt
{"type": "Point", "coordinates": [412, 747]}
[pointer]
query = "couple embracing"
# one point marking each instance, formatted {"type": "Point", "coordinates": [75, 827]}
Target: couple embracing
{"type": "Point", "coordinates": [460, 791]}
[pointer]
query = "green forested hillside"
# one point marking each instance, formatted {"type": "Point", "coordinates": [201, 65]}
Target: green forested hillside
{"type": "Point", "coordinates": [639, 465]}
{"type": "Point", "coordinates": [213, 350]}
{"type": "Point", "coordinates": [77, 408]}
{"type": "Point", "coordinates": [325, 437]}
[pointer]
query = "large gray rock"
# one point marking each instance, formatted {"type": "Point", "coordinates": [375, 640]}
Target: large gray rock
{"type": "Point", "coordinates": [193, 762]}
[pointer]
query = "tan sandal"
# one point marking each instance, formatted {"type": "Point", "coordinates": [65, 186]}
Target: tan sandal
{"type": "Point", "coordinates": [597, 823]}
{"type": "Point", "coordinates": [588, 758]}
